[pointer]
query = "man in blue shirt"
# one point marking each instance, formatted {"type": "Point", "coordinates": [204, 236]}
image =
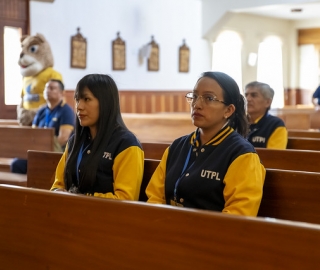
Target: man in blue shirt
{"type": "Point", "coordinates": [316, 97]}
{"type": "Point", "coordinates": [56, 114]}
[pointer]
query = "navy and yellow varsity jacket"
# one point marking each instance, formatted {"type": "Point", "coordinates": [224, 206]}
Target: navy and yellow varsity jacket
{"type": "Point", "coordinates": [120, 170]}
{"type": "Point", "coordinates": [223, 175]}
{"type": "Point", "coordinates": [268, 132]}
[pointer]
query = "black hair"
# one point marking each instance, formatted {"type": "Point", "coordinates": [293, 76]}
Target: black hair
{"type": "Point", "coordinates": [61, 85]}
{"type": "Point", "coordinates": [231, 95]}
{"type": "Point", "coordinates": [105, 90]}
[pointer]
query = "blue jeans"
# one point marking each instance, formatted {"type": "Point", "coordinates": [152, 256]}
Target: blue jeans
{"type": "Point", "coordinates": [19, 165]}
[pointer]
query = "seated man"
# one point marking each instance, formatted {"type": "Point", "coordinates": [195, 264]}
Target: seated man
{"type": "Point", "coordinates": [265, 130]}
{"type": "Point", "coordinates": [316, 97]}
{"type": "Point", "coordinates": [56, 114]}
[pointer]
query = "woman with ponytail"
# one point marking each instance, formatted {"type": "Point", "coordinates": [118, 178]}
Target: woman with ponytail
{"type": "Point", "coordinates": [103, 158]}
{"type": "Point", "coordinates": [215, 167]}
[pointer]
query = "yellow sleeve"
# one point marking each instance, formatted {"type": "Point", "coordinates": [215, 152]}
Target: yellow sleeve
{"type": "Point", "coordinates": [155, 189]}
{"type": "Point", "coordinates": [278, 139]}
{"type": "Point", "coordinates": [244, 185]}
{"type": "Point", "coordinates": [127, 174]}
{"type": "Point", "coordinates": [59, 177]}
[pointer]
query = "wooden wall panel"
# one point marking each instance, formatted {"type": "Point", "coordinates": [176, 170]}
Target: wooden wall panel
{"type": "Point", "coordinates": [297, 96]}
{"type": "Point", "coordinates": [14, 9]}
{"type": "Point", "coordinates": [309, 36]}
{"type": "Point", "coordinates": [146, 101]}
{"type": "Point", "coordinates": [153, 101]}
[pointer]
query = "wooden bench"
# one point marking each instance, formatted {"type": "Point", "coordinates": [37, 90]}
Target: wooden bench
{"type": "Point", "coordinates": [290, 159]}
{"type": "Point", "coordinates": [291, 195]}
{"type": "Point", "coordinates": [16, 179]}
{"type": "Point", "coordinates": [42, 166]}
{"type": "Point", "coordinates": [303, 133]}
{"type": "Point", "coordinates": [9, 122]}
{"type": "Point", "coordinates": [17, 140]}
{"type": "Point", "coordinates": [154, 150]}
{"type": "Point", "coordinates": [304, 143]}
{"type": "Point", "coordinates": [40, 229]}
{"type": "Point", "coordinates": [159, 127]}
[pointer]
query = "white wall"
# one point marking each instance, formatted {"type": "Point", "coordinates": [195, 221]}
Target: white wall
{"type": "Point", "coordinates": [253, 30]}
{"type": "Point", "coordinates": [137, 20]}
{"type": "Point", "coordinates": [214, 10]}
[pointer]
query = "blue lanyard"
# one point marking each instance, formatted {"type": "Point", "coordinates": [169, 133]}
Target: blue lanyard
{"type": "Point", "coordinates": [79, 161]}
{"type": "Point", "coordinates": [184, 167]}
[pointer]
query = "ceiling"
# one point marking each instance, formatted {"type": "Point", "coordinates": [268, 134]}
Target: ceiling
{"type": "Point", "coordinates": [308, 11]}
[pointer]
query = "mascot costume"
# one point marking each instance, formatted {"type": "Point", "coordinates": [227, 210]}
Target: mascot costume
{"type": "Point", "coordinates": [36, 62]}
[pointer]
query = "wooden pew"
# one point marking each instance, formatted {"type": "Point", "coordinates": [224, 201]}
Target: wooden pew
{"type": "Point", "coordinates": [303, 133]}
{"type": "Point", "coordinates": [304, 143]}
{"type": "Point", "coordinates": [17, 140]}
{"type": "Point", "coordinates": [290, 159]}
{"type": "Point", "coordinates": [9, 122]}
{"type": "Point", "coordinates": [154, 150]}
{"type": "Point", "coordinates": [291, 195]}
{"type": "Point", "coordinates": [160, 127]}
{"type": "Point", "coordinates": [42, 166]}
{"type": "Point", "coordinates": [16, 179]}
{"type": "Point", "coordinates": [40, 229]}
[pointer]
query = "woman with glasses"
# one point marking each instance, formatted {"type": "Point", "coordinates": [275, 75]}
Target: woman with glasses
{"type": "Point", "coordinates": [103, 158]}
{"type": "Point", "coordinates": [215, 167]}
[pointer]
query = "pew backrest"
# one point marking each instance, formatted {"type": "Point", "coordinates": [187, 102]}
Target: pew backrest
{"type": "Point", "coordinates": [92, 233]}
{"type": "Point", "coordinates": [9, 122]}
{"type": "Point", "coordinates": [291, 195]}
{"type": "Point", "coordinates": [303, 133]}
{"type": "Point", "coordinates": [17, 140]}
{"type": "Point", "coordinates": [304, 143]}
{"type": "Point", "coordinates": [290, 159]}
{"type": "Point", "coordinates": [42, 166]}
{"type": "Point", "coordinates": [154, 150]}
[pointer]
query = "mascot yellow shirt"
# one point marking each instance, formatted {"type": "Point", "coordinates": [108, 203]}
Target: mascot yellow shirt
{"type": "Point", "coordinates": [33, 86]}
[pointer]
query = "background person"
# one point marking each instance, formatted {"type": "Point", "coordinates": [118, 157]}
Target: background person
{"type": "Point", "coordinates": [215, 167]}
{"type": "Point", "coordinates": [103, 158]}
{"type": "Point", "coordinates": [266, 131]}
{"type": "Point", "coordinates": [55, 114]}
{"type": "Point", "coordinates": [316, 97]}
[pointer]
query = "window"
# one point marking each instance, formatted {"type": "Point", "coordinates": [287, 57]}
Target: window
{"type": "Point", "coordinates": [226, 55]}
{"type": "Point", "coordinates": [269, 68]}
{"type": "Point", "coordinates": [309, 67]}
{"type": "Point", "coordinates": [12, 75]}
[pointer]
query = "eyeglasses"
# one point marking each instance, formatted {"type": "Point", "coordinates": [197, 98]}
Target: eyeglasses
{"type": "Point", "coordinates": [208, 99]}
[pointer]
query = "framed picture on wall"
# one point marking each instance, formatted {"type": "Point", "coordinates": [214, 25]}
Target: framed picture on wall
{"type": "Point", "coordinates": [184, 57]}
{"type": "Point", "coordinates": [78, 51]}
{"type": "Point", "coordinates": [153, 60]}
{"type": "Point", "coordinates": [118, 53]}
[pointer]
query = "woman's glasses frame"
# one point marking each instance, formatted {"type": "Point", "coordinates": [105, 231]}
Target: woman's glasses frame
{"type": "Point", "coordinates": [207, 99]}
